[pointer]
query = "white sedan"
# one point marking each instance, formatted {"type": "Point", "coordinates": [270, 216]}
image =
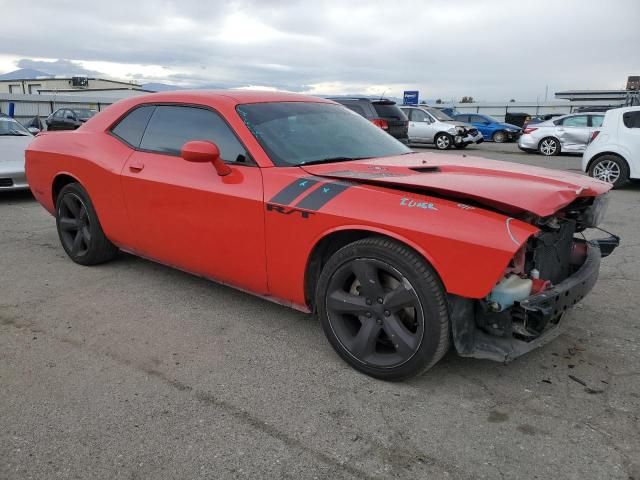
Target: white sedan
{"type": "Point", "coordinates": [14, 139]}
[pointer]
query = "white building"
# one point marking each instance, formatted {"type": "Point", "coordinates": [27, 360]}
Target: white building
{"type": "Point", "coordinates": [68, 86]}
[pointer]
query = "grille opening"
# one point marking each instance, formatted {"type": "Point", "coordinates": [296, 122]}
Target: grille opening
{"type": "Point", "coordinates": [6, 182]}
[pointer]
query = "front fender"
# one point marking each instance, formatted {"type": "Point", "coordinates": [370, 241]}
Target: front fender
{"type": "Point", "coordinates": [468, 246]}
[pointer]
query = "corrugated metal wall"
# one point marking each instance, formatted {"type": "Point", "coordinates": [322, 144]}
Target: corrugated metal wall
{"type": "Point", "coordinates": [29, 106]}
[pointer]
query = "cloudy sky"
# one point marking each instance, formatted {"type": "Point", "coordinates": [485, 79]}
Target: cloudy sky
{"type": "Point", "coordinates": [491, 50]}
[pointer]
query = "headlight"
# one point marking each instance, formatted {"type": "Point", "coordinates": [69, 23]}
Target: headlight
{"type": "Point", "coordinates": [452, 131]}
{"type": "Point", "coordinates": [460, 130]}
{"type": "Point", "coordinates": [595, 213]}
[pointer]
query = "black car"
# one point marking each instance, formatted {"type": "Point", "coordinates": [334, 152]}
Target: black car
{"type": "Point", "coordinates": [383, 113]}
{"type": "Point", "coordinates": [68, 118]}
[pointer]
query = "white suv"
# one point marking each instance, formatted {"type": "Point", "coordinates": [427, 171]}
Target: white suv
{"type": "Point", "coordinates": [613, 155]}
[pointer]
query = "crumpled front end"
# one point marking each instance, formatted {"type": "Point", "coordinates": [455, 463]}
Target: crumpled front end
{"type": "Point", "coordinates": [550, 274]}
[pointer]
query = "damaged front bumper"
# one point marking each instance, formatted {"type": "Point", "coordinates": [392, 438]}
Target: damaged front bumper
{"type": "Point", "coordinates": [513, 334]}
{"type": "Point", "coordinates": [468, 138]}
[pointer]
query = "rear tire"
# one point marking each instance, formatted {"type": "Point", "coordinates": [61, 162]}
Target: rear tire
{"type": "Point", "coordinates": [383, 309]}
{"type": "Point", "coordinates": [443, 141]}
{"type": "Point", "coordinates": [549, 147]}
{"type": "Point", "coordinates": [79, 229]}
{"type": "Point", "coordinates": [611, 169]}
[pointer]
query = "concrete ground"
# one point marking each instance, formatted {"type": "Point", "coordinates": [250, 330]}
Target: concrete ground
{"type": "Point", "coordinates": [135, 370]}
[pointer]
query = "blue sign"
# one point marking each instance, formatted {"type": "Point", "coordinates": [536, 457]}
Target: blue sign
{"type": "Point", "coordinates": [411, 97]}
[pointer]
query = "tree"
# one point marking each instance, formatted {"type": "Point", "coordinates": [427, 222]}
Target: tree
{"type": "Point", "coordinates": [466, 100]}
{"type": "Point", "coordinates": [512, 100]}
{"type": "Point", "coordinates": [439, 101]}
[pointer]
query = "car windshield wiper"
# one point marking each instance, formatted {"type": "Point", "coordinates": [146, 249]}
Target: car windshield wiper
{"type": "Point", "coordinates": [332, 159]}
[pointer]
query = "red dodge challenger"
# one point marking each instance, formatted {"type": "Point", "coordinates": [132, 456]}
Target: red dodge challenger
{"type": "Point", "coordinates": [303, 202]}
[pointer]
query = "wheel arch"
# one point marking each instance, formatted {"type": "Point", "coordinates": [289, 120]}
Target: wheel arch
{"type": "Point", "coordinates": [333, 240]}
{"type": "Point", "coordinates": [59, 182]}
{"type": "Point", "coordinates": [602, 154]}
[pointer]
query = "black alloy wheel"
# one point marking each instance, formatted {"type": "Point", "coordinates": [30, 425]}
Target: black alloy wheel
{"type": "Point", "coordinates": [79, 228]}
{"type": "Point", "coordinates": [375, 313]}
{"type": "Point", "coordinates": [75, 225]}
{"type": "Point", "coordinates": [383, 309]}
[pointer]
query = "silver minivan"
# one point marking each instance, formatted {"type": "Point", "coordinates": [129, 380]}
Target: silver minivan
{"type": "Point", "coordinates": [432, 126]}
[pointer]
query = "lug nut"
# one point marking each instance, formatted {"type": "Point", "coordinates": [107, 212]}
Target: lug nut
{"type": "Point", "coordinates": [379, 322]}
{"type": "Point", "coordinates": [387, 313]}
{"type": "Point", "coordinates": [368, 314]}
{"type": "Point", "coordinates": [368, 301]}
{"type": "Point", "coordinates": [380, 300]}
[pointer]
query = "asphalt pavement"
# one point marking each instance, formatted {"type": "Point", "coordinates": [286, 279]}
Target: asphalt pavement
{"type": "Point", "coordinates": [135, 370]}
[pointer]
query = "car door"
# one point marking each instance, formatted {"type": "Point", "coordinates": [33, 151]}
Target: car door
{"type": "Point", "coordinates": [184, 214]}
{"type": "Point", "coordinates": [482, 125]}
{"type": "Point", "coordinates": [419, 123]}
{"type": "Point", "coordinates": [573, 133]}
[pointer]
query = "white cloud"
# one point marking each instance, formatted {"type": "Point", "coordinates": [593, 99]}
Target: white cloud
{"type": "Point", "coordinates": [492, 49]}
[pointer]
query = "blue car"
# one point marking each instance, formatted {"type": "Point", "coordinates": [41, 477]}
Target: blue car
{"type": "Point", "coordinates": [490, 128]}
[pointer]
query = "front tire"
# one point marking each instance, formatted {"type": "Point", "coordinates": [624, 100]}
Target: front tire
{"type": "Point", "coordinates": [79, 228]}
{"type": "Point", "coordinates": [383, 309]}
{"type": "Point", "coordinates": [549, 147]}
{"type": "Point", "coordinates": [499, 137]}
{"type": "Point", "coordinates": [443, 141]}
{"type": "Point", "coordinates": [611, 169]}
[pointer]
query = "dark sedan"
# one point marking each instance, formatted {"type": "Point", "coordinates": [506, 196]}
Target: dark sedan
{"type": "Point", "coordinates": [68, 118]}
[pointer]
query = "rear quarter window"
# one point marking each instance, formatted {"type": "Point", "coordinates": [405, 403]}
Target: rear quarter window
{"type": "Point", "coordinates": [131, 128]}
{"type": "Point", "coordinates": [631, 119]}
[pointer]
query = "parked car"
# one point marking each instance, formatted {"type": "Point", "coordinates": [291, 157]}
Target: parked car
{"type": "Point", "coordinates": [490, 128]}
{"type": "Point", "coordinates": [541, 118]}
{"type": "Point", "coordinates": [299, 201]}
{"type": "Point", "coordinates": [68, 118]}
{"type": "Point", "coordinates": [430, 125]}
{"type": "Point", "coordinates": [613, 155]}
{"type": "Point", "coordinates": [449, 111]}
{"type": "Point", "coordinates": [569, 134]}
{"type": "Point", "coordinates": [519, 119]}
{"type": "Point", "coordinates": [383, 113]}
{"type": "Point", "coordinates": [14, 139]}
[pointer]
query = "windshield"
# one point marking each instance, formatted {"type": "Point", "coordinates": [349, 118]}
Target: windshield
{"type": "Point", "coordinates": [84, 113]}
{"type": "Point", "coordinates": [295, 133]}
{"type": "Point", "coordinates": [439, 114]}
{"type": "Point", "coordinates": [9, 127]}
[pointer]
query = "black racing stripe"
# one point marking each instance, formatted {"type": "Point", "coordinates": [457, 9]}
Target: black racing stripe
{"type": "Point", "coordinates": [289, 193]}
{"type": "Point", "coordinates": [322, 195]}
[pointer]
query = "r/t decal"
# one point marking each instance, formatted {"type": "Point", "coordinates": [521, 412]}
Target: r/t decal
{"type": "Point", "coordinates": [288, 210]}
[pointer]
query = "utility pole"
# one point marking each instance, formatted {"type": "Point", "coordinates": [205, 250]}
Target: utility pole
{"type": "Point", "coordinates": [546, 92]}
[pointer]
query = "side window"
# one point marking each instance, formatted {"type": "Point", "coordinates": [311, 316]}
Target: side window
{"type": "Point", "coordinates": [631, 119]}
{"type": "Point", "coordinates": [68, 114]}
{"type": "Point", "coordinates": [596, 120]}
{"type": "Point", "coordinates": [577, 121]}
{"type": "Point", "coordinates": [462, 118]}
{"type": "Point", "coordinates": [477, 119]}
{"type": "Point", "coordinates": [170, 127]}
{"type": "Point", "coordinates": [131, 127]}
{"type": "Point", "coordinates": [419, 116]}
{"type": "Point", "coordinates": [59, 115]}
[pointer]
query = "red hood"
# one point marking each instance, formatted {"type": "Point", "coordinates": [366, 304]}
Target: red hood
{"type": "Point", "coordinates": [506, 186]}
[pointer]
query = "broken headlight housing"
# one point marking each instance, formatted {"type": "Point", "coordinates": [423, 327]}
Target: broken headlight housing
{"type": "Point", "coordinates": [596, 212]}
